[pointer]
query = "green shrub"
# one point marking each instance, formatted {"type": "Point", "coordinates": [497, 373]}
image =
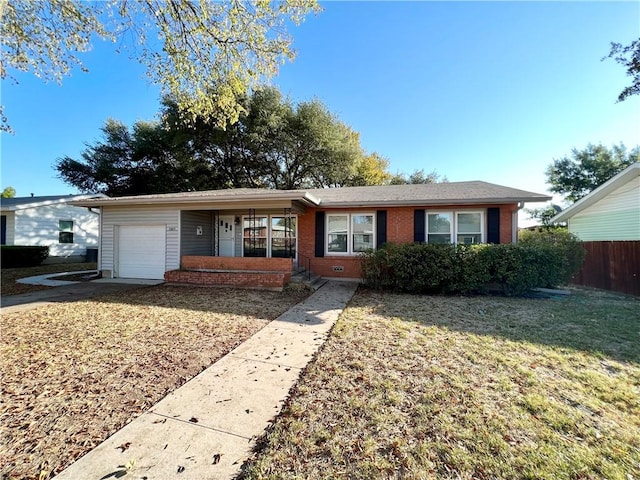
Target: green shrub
{"type": "Point", "coordinates": [427, 268]}
{"type": "Point", "coordinates": [569, 250]}
{"type": "Point", "coordinates": [14, 256]}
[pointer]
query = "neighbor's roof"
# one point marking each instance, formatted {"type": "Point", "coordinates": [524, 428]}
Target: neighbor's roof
{"type": "Point", "coordinates": [20, 203]}
{"type": "Point", "coordinates": [450, 193]}
{"type": "Point", "coordinates": [622, 178]}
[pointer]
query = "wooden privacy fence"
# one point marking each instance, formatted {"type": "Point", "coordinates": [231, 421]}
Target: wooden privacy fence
{"type": "Point", "coordinates": [611, 266]}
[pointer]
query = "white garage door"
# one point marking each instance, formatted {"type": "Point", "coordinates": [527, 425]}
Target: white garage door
{"type": "Point", "coordinates": [141, 252]}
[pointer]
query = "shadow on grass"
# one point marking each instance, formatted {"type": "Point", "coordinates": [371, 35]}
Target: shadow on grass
{"type": "Point", "coordinates": [602, 323]}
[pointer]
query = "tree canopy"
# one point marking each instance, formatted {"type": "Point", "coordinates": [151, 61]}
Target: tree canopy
{"type": "Point", "coordinates": [582, 172]}
{"type": "Point", "coordinates": [204, 54]}
{"type": "Point", "coordinates": [8, 192]}
{"type": "Point", "coordinates": [274, 144]}
{"type": "Point", "coordinates": [629, 57]}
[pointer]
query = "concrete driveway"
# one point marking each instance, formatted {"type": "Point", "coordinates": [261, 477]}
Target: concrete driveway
{"type": "Point", "coordinates": [70, 293]}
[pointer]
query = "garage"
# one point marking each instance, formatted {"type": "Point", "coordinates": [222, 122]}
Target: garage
{"type": "Point", "coordinates": [141, 251]}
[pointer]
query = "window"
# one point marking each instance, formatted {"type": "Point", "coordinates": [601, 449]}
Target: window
{"type": "Point", "coordinates": [350, 233]}
{"type": "Point", "coordinates": [254, 237]}
{"type": "Point", "coordinates": [269, 236]}
{"type": "Point", "coordinates": [469, 227]}
{"type": "Point", "coordinates": [283, 237]}
{"type": "Point", "coordinates": [439, 227]}
{"type": "Point", "coordinates": [455, 227]}
{"type": "Point", "coordinates": [65, 231]}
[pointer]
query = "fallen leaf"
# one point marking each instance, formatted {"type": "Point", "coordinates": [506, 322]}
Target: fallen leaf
{"type": "Point", "coordinates": [180, 469]}
{"type": "Point", "coordinates": [124, 446]}
{"type": "Point", "coordinates": [193, 420]}
{"type": "Point", "coordinates": [216, 458]}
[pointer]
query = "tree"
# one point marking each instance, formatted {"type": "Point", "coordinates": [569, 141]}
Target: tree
{"type": "Point", "coordinates": [205, 54]}
{"type": "Point", "coordinates": [370, 169]}
{"type": "Point", "coordinates": [8, 192]}
{"type": "Point", "coordinates": [576, 176]}
{"type": "Point", "coordinates": [544, 215]}
{"type": "Point", "coordinates": [275, 144]}
{"type": "Point", "coordinates": [629, 57]}
{"type": "Point", "coordinates": [417, 177]}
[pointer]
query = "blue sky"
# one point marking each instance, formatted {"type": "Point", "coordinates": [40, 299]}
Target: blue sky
{"type": "Point", "coordinates": [489, 91]}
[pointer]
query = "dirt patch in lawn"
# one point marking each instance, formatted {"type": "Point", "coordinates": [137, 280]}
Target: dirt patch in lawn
{"type": "Point", "coordinates": [74, 373]}
{"type": "Point", "coordinates": [412, 387]}
{"type": "Point", "coordinates": [10, 275]}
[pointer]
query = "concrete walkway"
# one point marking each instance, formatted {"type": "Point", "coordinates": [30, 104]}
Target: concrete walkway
{"type": "Point", "coordinates": [207, 428]}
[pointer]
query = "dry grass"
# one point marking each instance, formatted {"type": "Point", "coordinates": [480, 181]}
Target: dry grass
{"type": "Point", "coordinates": [428, 387]}
{"type": "Point", "coordinates": [74, 373]}
{"type": "Point", "coordinates": [10, 275]}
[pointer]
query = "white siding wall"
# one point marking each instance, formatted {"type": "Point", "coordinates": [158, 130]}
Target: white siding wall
{"type": "Point", "coordinates": [11, 227]}
{"type": "Point", "coordinates": [615, 217]}
{"type": "Point", "coordinates": [39, 226]}
{"type": "Point", "coordinates": [112, 217]}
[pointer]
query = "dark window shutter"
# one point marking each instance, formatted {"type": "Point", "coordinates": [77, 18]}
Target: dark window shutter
{"type": "Point", "coordinates": [319, 234]}
{"type": "Point", "coordinates": [3, 234]}
{"type": "Point", "coordinates": [419, 226]}
{"type": "Point", "coordinates": [493, 225]}
{"type": "Point", "coordinates": [381, 228]}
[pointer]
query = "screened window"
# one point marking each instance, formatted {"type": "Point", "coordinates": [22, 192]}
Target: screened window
{"type": "Point", "coordinates": [455, 227]}
{"type": "Point", "coordinates": [283, 237]}
{"type": "Point", "coordinates": [362, 232]}
{"type": "Point", "coordinates": [254, 236]}
{"type": "Point", "coordinates": [350, 233]}
{"type": "Point", "coordinates": [439, 227]}
{"type": "Point", "coordinates": [469, 227]}
{"type": "Point", "coordinates": [65, 231]}
{"type": "Point", "coordinates": [337, 233]}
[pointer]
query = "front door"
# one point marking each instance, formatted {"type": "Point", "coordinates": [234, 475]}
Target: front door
{"type": "Point", "coordinates": [226, 236]}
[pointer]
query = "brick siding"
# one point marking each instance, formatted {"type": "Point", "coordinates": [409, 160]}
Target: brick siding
{"type": "Point", "coordinates": [245, 279]}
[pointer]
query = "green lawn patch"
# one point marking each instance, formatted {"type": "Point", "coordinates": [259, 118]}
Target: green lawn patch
{"type": "Point", "coordinates": [466, 387]}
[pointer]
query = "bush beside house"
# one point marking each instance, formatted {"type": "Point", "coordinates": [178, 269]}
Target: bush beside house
{"type": "Point", "coordinates": [14, 256]}
{"type": "Point", "coordinates": [542, 261]}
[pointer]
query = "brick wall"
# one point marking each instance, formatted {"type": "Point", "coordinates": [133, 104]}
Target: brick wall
{"type": "Point", "coordinates": [237, 263]}
{"type": "Point", "coordinates": [267, 280]}
{"type": "Point", "coordinates": [399, 230]}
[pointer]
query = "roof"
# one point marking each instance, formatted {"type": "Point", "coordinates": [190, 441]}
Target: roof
{"type": "Point", "coordinates": [20, 203]}
{"type": "Point", "coordinates": [450, 193]}
{"type": "Point", "coordinates": [599, 193]}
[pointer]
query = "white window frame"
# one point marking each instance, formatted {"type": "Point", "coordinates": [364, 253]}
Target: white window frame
{"type": "Point", "coordinates": [350, 241]}
{"type": "Point", "coordinates": [269, 232]}
{"type": "Point", "coordinates": [454, 223]}
{"type": "Point", "coordinates": [440, 212]}
{"type": "Point", "coordinates": [72, 232]}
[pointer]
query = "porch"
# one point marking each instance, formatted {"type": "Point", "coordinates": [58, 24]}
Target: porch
{"type": "Point", "coordinates": [269, 273]}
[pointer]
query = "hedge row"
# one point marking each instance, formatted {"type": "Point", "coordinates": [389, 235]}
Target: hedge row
{"type": "Point", "coordinates": [14, 256]}
{"type": "Point", "coordinates": [513, 269]}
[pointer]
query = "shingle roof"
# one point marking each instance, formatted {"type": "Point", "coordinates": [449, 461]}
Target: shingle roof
{"type": "Point", "coordinates": [18, 203]}
{"type": "Point", "coordinates": [450, 193]}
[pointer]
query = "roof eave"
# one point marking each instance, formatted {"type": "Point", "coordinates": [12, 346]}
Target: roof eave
{"type": "Point", "coordinates": [599, 193]}
{"type": "Point", "coordinates": [422, 202]}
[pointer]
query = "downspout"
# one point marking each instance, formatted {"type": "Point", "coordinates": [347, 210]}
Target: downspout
{"type": "Point", "coordinates": [514, 223]}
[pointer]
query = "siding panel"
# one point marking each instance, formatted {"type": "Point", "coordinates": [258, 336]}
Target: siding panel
{"type": "Point", "coordinates": [39, 226]}
{"type": "Point", "coordinates": [620, 225]}
{"type": "Point", "coordinates": [190, 242]}
{"type": "Point", "coordinates": [114, 216]}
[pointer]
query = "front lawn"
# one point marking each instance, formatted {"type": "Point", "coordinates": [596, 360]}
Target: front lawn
{"type": "Point", "coordinates": [74, 373]}
{"type": "Point", "coordinates": [10, 275]}
{"type": "Point", "coordinates": [419, 387]}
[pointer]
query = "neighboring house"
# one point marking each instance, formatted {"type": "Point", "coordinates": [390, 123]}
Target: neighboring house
{"type": "Point", "coordinates": [608, 222]}
{"type": "Point", "coordinates": [228, 236]}
{"type": "Point", "coordinates": [610, 212]}
{"type": "Point", "coordinates": [52, 221]}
